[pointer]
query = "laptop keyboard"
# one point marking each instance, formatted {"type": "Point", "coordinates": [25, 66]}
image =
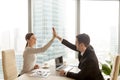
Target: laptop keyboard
{"type": "Point", "coordinates": [68, 68]}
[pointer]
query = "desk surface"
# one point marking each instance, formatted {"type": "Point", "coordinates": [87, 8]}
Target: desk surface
{"type": "Point", "coordinates": [51, 77]}
{"type": "Point", "coordinates": [54, 74]}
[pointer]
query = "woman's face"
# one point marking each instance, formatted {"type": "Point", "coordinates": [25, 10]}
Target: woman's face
{"type": "Point", "coordinates": [32, 40]}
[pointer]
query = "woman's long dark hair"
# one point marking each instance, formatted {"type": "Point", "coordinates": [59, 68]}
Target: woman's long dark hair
{"type": "Point", "coordinates": [27, 37]}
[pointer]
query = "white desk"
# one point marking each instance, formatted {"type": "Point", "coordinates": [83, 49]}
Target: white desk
{"type": "Point", "coordinates": [54, 75]}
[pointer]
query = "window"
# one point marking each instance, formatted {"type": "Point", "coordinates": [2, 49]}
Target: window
{"type": "Point", "coordinates": [53, 13]}
{"type": "Point", "coordinates": [100, 20]}
{"type": "Point", "coordinates": [13, 27]}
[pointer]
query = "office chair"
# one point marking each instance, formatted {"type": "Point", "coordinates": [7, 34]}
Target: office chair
{"type": "Point", "coordinates": [9, 64]}
{"type": "Point", "coordinates": [115, 68]}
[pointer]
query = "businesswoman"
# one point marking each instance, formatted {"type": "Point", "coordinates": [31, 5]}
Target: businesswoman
{"type": "Point", "coordinates": [29, 54]}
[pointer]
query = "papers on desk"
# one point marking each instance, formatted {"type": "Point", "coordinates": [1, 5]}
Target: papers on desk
{"type": "Point", "coordinates": [75, 70]}
{"type": "Point", "coordinates": [74, 65]}
{"type": "Point", "coordinates": [42, 73]}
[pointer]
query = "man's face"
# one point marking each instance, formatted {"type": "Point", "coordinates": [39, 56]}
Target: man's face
{"type": "Point", "coordinates": [79, 46]}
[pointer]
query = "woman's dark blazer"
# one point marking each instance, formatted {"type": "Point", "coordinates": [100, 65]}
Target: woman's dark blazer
{"type": "Point", "coordinates": [88, 64]}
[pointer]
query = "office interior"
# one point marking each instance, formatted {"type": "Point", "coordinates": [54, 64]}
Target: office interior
{"type": "Point", "coordinates": [100, 19]}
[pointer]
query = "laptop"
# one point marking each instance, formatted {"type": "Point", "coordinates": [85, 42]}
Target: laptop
{"type": "Point", "coordinates": [60, 64]}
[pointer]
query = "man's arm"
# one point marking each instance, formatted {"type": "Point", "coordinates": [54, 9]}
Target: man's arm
{"type": "Point", "coordinates": [88, 68]}
{"type": "Point", "coordinates": [68, 44]}
{"type": "Point", "coordinates": [63, 41]}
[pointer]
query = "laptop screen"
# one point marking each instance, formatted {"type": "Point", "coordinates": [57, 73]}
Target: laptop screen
{"type": "Point", "coordinates": [59, 61]}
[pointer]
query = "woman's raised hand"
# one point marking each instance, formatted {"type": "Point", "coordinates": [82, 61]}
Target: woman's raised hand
{"type": "Point", "coordinates": [55, 35]}
{"type": "Point", "coordinates": [54, 32]}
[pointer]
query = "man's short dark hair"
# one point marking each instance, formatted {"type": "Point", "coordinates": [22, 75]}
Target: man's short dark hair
{"type": "Point", "coordinates": [83, 38]}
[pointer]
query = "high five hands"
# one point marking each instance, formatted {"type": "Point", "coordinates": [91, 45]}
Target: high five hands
{"type": "Point", "coordinates": [55, 35]}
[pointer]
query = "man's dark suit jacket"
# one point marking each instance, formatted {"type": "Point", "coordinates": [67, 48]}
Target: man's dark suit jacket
{"type": "Point", "coordinates": [88, 64]}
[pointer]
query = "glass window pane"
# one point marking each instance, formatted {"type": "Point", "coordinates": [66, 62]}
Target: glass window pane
{"type": "Point", "coordinates": [13, 27]}
{"type": "Point", "coordinates": [53, 13]}
{"type": "Point", "coordinates": [99, 19]}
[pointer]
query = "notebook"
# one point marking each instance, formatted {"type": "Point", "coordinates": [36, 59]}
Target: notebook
{"type": "Point", "coordinates": [60, 64]}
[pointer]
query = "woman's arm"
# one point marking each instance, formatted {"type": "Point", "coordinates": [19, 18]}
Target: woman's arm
{"type": "Point", "coordinates": [42, 49]}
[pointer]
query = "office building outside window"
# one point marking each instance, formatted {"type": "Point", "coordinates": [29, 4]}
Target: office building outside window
{"type": "Point", "coordinates": [48, 14]}
{"type": "Point", "coordinates": [100, 19]}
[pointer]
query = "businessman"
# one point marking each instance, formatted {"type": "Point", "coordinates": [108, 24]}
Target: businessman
{"type": "Point", "coordinates": [88, 62]}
